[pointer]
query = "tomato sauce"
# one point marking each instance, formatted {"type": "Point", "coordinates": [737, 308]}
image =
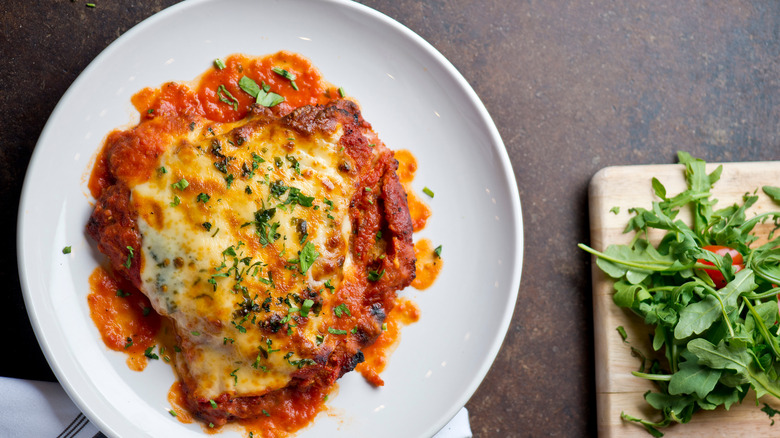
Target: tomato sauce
{"type": "Point", "coordinates": [123, 316]}
{"type": "Point", "coordinates": [377, 354]}
{"type": "Point", "coordinates": [428, 264]}
{"type": "Point", "coordinates": [418, 210]}
{"type": "Point", "coordinates": [178, 404]}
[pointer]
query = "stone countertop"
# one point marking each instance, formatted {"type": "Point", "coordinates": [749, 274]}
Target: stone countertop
{"type": "Point", "coordinates": [572, 86]}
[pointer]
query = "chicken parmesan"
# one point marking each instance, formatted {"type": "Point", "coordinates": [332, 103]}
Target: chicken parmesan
{"type": "Point", "coordinates": [261, 216]}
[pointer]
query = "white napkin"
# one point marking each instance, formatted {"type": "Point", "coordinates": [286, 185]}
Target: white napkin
{"type": "Point", "coordinates": [53, 414]}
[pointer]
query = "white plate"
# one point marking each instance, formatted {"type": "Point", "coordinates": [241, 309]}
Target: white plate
{"type": "Point", "coordinates": [415, 100]}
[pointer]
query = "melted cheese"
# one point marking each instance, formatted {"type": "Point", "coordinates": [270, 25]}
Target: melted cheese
{"type": "Point", "coordinates": [230, 228]}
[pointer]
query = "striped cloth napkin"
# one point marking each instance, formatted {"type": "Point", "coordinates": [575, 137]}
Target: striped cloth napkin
{"type": "Point", "coordinates": [56, 416]}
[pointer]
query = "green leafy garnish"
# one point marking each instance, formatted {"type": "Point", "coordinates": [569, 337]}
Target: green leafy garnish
{"type": "Point", "coordinates": [306, 307]}
{"type": "Point", "coordinates": [428, 191]}
{"type": "Point", "coordinates": [769, 410]}
{"type": "Point", "coordinates": [181, 185]}
{"type": "Point", "coordinates": [249, 86]}
{"type": "Point", "coordinates": [620, 329]}
{"type": "Point", "coordinates": [340, 310]}
{"type": "Point", "coordinates": [224, 96]}
{"type": "Point", "coordinates": [374, 275]}
{"type": "Point", "coordinates": [714, 318]}
{"type": "Point", "coordinates": [333, 331]}
{"type": "Point", "coordinates": [66, 250]}
{"type": "Point", "coordinates": [772, 192]}
{"type": "Point", "coordinates": [307, 257]}
{"type": "Point", "coordinates": [130, 256]}
{"type": "Point", "coordinates": [148, 353]}
{"type": "Point", "coordinates": [283, 73]}
{"type": "Point", "coordinates": [262, 94]}
{"type": "Point", "coordinates": [219, 64]}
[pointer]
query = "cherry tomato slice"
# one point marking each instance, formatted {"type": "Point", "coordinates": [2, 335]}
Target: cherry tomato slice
{"type": "Point", "coordinates": [716, 275]}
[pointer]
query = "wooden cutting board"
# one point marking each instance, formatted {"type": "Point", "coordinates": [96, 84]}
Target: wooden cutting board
{"type": "Point", "coordinates": [617, 389]}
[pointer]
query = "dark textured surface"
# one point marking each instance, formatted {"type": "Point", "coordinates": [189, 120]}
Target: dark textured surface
{"type": "Point", "coordinates": [572, 86]}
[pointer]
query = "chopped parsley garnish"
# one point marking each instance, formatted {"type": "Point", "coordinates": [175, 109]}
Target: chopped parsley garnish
{"type": "Point", "coordinates": [172, 412]}
{"type": "Point", "coordinates": [219, 64]}
{"type": "Point", "coordinates": [239, 327]}
{"type": "Point", "coordinates": [330, 287]}
{"type": "Point", "coordinates": [266, 413]}
{"type": "Point", "coordinates": [333, 331]}
{"type": "Point", "coordinates": [270, 99]}
{"type": "Point", "coordinates": [223, 94]}
{"type": "Point", "coordinates": [375, 276]}
{"type": "Point", "coordinates": [300, 363]}
{"type": "Point", "coordinates": [162, 170]}
{"type": "Point", "coordinates": [341, 92]}
{"type": "Point", "coordinates": [181, 185]}
{"type": "Point", "coordinates": [265, 229]}
{"type": "Point", "coordinates": [340, 310]}
{"type": "Point", "coordinates": [148, 353]}
{"type": "Point", "coordinates": [234, 376]}
{"type": "Point", "coordinates": [176, 201]}
{"type": "Point", "coordinates": [278, 188]}
{"type": "Point", "coordinates": [428, 191]}
{"type": "Point", "coordinates": [287, 75]}
{"type": "Point", "coordinates": [437, 251]}
{"type": "Point", "coordinates": [122, 294]}
{"type": "Point", "coordinates": [203, 197]}
{"type": "Point", "coordinates": [307, 257]}
{"type": "Point", "coordinates": [296, 197]}
{"type": "Point", "coordinates": [249, 86]}
{"type": "Point", "coordinates": [283, 73]}
{"type": "Point", "coordinates": [213, 403]}
{"type": "Point", "coordinates": [294, 164]}
{"type": "Point", "coordinates": [306, 307]}
{"type": "Point", "coordinates": [229, 180]}
{"type": "Point", "coordinates": [130, 256]}
{"type": "Point", "coordinates": [262, 94]}
{"type": "Point", "coordinates": [207, 226]}
{"type": "Point", "coordinates": [128, 342]}
{"type": "Point", "coordinates": [66, 250]}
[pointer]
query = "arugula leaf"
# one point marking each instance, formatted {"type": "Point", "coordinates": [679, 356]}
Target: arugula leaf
{"type": "Point", "coordinates": [697, 317]}
{"type": "Point", "coordinates": [693, 378]}
{"type": "Point", "coordinates": [773, 192]}
{"type": "Point", "coordinates": [735, 358]}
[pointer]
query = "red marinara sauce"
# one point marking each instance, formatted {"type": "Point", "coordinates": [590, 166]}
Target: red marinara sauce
{"type": "Point", "coordinates": [124, 317]}
{"type": "Point", "coordinates": [122, 314]}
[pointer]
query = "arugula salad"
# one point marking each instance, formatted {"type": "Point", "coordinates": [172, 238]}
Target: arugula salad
{"type": "Point", "coordinates": [708, 289]}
